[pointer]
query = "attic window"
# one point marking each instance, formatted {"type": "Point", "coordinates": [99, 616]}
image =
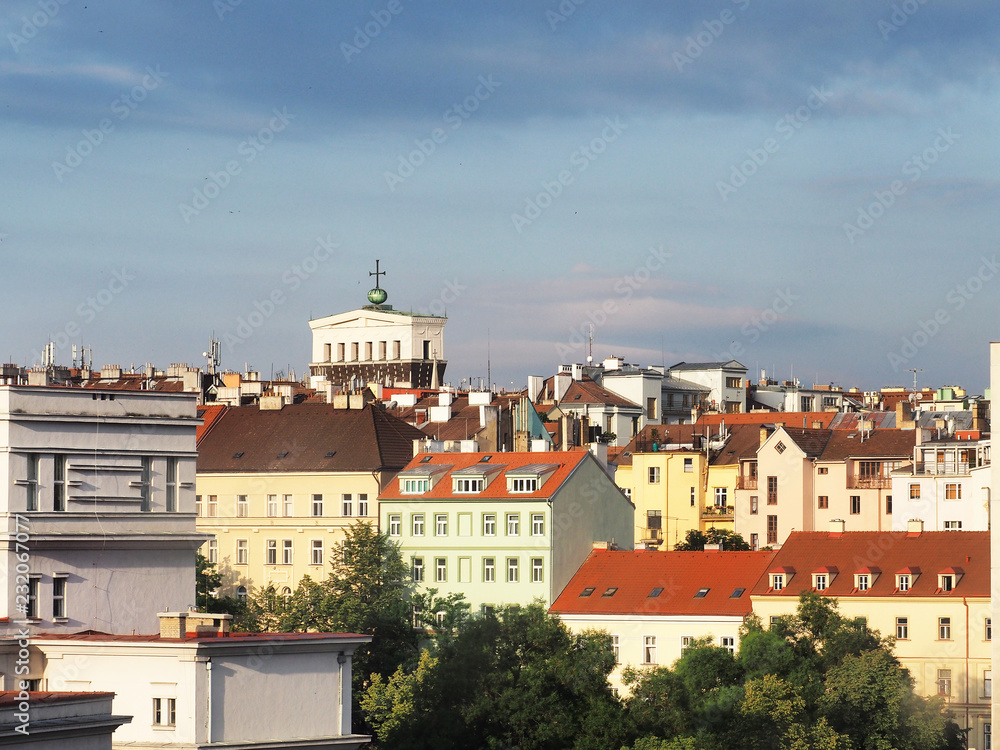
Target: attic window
{"type": "Point", "coordinates": [282, 454]}
{"type": "Point", "coordinates": [780, 447]}
{"type": "Point", "coordinates": [576, 397]}
{"type": "Point", "coordinates": [485, 459]}
{"type": "Point", "coordinates": [587, 591]}
{"type": "Point", "coordinates": [610, 591]}
{"type": "Point", "coordinates": [656, 592]}
{"type": "Point", "coordinates": [330, 454]}
{"type": "Point", "coordinates": [426, 459]}
{"type": "Point", "coordinates": [737, 593]}
{"type": "Point", "coordinates": [238, 454]}
{"type": "Point", "coordinates": [702, 593]}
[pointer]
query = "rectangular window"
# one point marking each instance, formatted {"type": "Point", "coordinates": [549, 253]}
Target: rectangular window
{"type": "Point", "coordinates": [32, 483]}
{"type": "Point", "coordinates": [720, 497]}
{"type": "Point", "coordinates": [32, 609]}
{"type": "Point", "coordinates": [341, 352]}
{"type": "Point", "coordinates": [288, 506]}
{"type": "Point", "coordinates": [688, 465]}
{"type": "Point", "coordinates": [511, 570]}
{"type": "Point", "coordinates": [396, 349]}
{"type": "Point", "coordinates": [418, 524]}
{"type": "Point", "coordinates": [914, 492]}
{"type": "Point", "coordinates": [368, 351]}
{"type": "Point", "coordinates": [772, 490]}
{"type": "Point", "coordinates": [989, 629]}
{"type": "Point", "coordinates": [145, 485]}
{"type": "Point", "coordinates": [59, 483]}
{"type": "Point", "coordinates": [171, 498]}
{"type": "Point", "coordinates": [945, 583]}
{"type": "Point", "coordinates": [987, 683]}
{"type": "Point", "coordinates": [888, 505]}
{"type": "Point", "coordinates": [753, 505]}
{"type": "Point", "coordinates": [213, 506]}
{"type": "Point", "coordinates": [651, 408]}
{"type": "Point", "coordinates": [58, 597]}
{"type": "Point", "coordinates": [489, 524]}
{"type": "Point", "coordinates": [363, 504]}
{"type": "Point", "coordinates": [317, 505]}
{"type": "Point", "coordinates": [272, 552]}
{"type": "Point", "coordinates": [692, 497]}
{"type": "Point", "coordinates": [772, 529]}
{"type": "Point", "coordinates": [686, 641]}
{"type": "Point", "coordinates": [987, 736]}
{"type": "Point", "coordinates": [616, 648]}
{"type": "Point", "coordinates": [824, 470]}
{"type": "Point", "coordinates": [416, 486]}
{"type": "Point", "coordinates": [654, 474]}
{"type": "Point", "coordinates": [489, 569]}
{"type": "Point", "coordinates": [855, 504]}
{"type": "Point", "coordinates": [952, 491]}
{"type": "Point", "coordinates": [316, 552]}
{"type": "Point", "coordinates": [418, 569]}
{"type": "Point", "coordinates": [649, 649]}
{"type": "Point", "coordinates": [213, 551]}
{"type": "Point", "coordinates": [777, 581]}
{"type": "Point", "coordinates": [755, 542]}
{"type": "Point", "coordinates": [469, 485]}
{"type": "Point", "coordinates": [537, 524]}
{"type": "Point", "coordinates": [824, 502]}
{"type": "Point", "coordinates": [395, 524]}
{"type": "Point", "coordinates": [513, 524]}
{"type": "Point", "coordinates": [944, 628]}
{"type": "Point", "coordinates": [354, 351]}
{"type": "Point", "coordinates": [820, 580]}
{"type": "Point", "coordinates": [441, 569]}
{"type": "Point", "coordinates": [728, 642]}
{"type": "Point", "coordinates": [944, 682]}
{"type": "Point", "coordinates": [902, 629]}
{"type": "Point", "coordinates": [242, 506]}
{"type": "Point", "coordinates": [441, 524]}
{"type": "Point", "coordinates": [347, 505]}
{"type": "Point", "coordinates": [903, 583]}
{"type": "Point", "coordinates": [734, 382]}
{"type": "Point", "coordinates": [164, 712]}
{"type": "Point", "coordinates": [241, 552]}
{"type": "Point", "coordinates": [536, 570]}
{"type": "Point", "coordinates": [524, 484]}
{"type": "Point", "coordinates": [863, 581]}
{"type": "Point", "coordinates": [198, 507]}
{"type": "Point", "coordinates": [272, 506]}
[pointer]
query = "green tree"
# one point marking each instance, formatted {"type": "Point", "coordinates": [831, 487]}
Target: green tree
{"type": "Point", "coordinates": [695, 540]}
{"type": "Point", "coordinates": [207, 580]}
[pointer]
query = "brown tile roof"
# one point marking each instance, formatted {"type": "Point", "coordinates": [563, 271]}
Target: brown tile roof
{"type": "Point", "coordinates": [744, 440]}
{"type": "Point", "coordinates": [586, 391]}
{"type": "Point", "coordinates": [892, 443]}
{"type": "Point", "coordinates": [306, 437]}
{"type": "Point", "coordinates": [680, 575]}
{"type": "Point", "coordinates": [790, 418]}
{"type": "Point", "coordinates": [811, 442]}
{"type": "Point", "coordinates": [933, 552]}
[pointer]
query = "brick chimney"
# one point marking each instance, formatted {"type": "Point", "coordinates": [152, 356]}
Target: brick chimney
{"type": "Point", "coordinates": [763, 435]}
{"type": "Point", "coordinates": [173, 624]}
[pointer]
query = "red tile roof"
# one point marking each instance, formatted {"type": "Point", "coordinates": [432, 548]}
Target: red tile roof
{"type": "Point", "coordinates": [565, 461]}
{"type": "Point", "coordinates": [680, 575]}
{"type": "Point", "coordinates": [209, 414]}
{"type": "Point", "coordinates": [586, 391]}
{"type": "Point", "coordinates": [851, 552]}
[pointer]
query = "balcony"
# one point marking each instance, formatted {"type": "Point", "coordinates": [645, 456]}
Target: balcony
{"type": "Point", "coordinates": [746, 483]}
{"type": "Point", "coordinates": [945, 467]}
{"type": "Point", "coordinates": [856, 482]}
{"type": "Point", "coordinates": [718, 513]}
{"type": "Point", "coordinates": [651, 536]}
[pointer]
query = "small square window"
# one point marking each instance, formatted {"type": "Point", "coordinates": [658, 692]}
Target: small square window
{"type": "Point", "coordinates": [610, 591]}
{"type": "Point", "coordinates": [701, 594]}
{"type": "Point", "coordinates": [655, 592]}
{"type": "Point", "coordinates": [587, 591]}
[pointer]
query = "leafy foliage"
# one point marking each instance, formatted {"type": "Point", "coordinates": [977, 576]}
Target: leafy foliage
{"type": "Point", "coordinates": [695, 540]}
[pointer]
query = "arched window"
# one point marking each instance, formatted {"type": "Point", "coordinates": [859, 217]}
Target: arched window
{"type": "Point", "coordinates": [241, 593]}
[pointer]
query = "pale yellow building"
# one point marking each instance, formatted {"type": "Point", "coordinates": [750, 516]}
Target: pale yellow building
{"type": "Point", "coordinates": [278, 487]}
{"type": "Point", "coordinates": [929, 590]}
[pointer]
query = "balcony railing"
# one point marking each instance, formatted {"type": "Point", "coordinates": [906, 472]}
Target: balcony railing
{"type": "Point", "coordinates": [858, 482]}
{"type": "Point", "coordinates": [947, 467]}
{"type": "Point", "coordinates": [652, 536]}
{"type": "Point", "coordinates": [746, 483]}
{"type": "Point", "coordinates": [718, 512]}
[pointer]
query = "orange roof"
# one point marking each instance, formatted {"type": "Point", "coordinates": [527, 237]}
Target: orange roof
{"type": "Point", "coordinates": [209, 413]}
{"type": "Point", "coordinates": [932, 552]}
{"type": "Point", "coordinates": [495, 465]}
{"type": "Point", "coordinates": [726, 577]}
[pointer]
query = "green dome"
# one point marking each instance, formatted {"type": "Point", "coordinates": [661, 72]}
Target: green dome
{"type": "Point", "coordinates": [377, 296]}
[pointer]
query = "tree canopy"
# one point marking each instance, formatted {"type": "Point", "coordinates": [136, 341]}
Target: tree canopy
{"type": "Point", "coordinates": [696, 540]}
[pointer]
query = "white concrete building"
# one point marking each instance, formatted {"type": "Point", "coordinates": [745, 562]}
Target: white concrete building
{"type": "Point", "coordinates": [56, 721]}
{"type": "Point", "coordinates": [98, 503]}
{"type": "Point", "coordinates": [727, 381]}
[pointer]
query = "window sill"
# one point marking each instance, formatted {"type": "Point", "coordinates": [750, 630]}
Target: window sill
{"type": "Point", "coordinates": [164, 727]}
{"type": "Point", "coordinates": [61, 620]}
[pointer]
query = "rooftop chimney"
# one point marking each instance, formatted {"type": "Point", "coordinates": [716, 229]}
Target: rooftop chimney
{"type": "Point", "coordinates": [763, 435]}
{"type": "Point", "coordinates": [837, 526]}
{"type": "Point", "coordinates": [914, 527]}
{"type": "Point", "coordinates": [173, 624]}
{"type": "Point", "coordinates": [713, 547]}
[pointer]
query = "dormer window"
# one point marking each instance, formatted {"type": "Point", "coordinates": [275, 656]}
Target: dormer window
{"type": "Point", "coordinates": [949, 577]}
{"type": "Point", "coordinates": [416, 486]}
{"type": "Point", "coordinates": [906, 577]}
{"type": "Point", "coordinates": [528, 478]}
{"type": "Point", "coordinates": [903, 582]}
{"type": "Point", "coordinates": [469, 485]}
{"type": "Point", "coordinates": [865, 578]}
{"type": "Point", "coordinates": [524, 485]}
{"type": "Point", "coordinates": [777, 581]}
{"type": "Point", "coordinates": [819, 581]}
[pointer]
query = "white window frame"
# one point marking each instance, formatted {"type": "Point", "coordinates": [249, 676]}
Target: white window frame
{"type": "Point", "coordinates": [288, 506]}
{"type": "Point", "coordinates": [363, 504]}
{"type": "Point", "coordinates": [395, 524]}
{"type": "Point", "coordinates": [272, 506]}
{"type": "Point", "coordinates": [903, 582]}
{"type": "Point", "coordinates": [271, 552]}
{"type": "Point", "coordinates": [440, 524]}
{"type": "Point", "coordinates": [164, 712]}
{"type": "Point", "coordinates": [242, 506]}
{"type": "Point", "coordinates": [489, 570]}
{"type": "Point", "coordinates": [213, 551]}
{"type": "Point", "coordinates": [513, 523]}
{"type": "Point", "coordinates": [213, 506]}
{"type": "Point", "coordinates": [538, 524]}
{"type": "Point", "coordinates": [347, 504]}
{"type": "Point", "coordinates": [469, 485]}
{"type": "Point", "coordinates": [537, 570]}
{"type": "Point", "coordinates": [616, 648]}
{"type": "Point", "coordinates": [59, 585]}
{"type": "Point", "coordinates": [441, 569]}
{"type": "Point", "coordinates": [242, 551]}
{"type": "Point", "coordinates": [317, 504]}
{"type": "Point", "coordinates": [417, 568]}
{"type": "Point", "coordinates": [417, 524]}
{"type": "Point", "coordinates": [286, 551]}
{"type": "Point", "coordinates": [728, 642]}
{"type": "Point", "coordinates": [944, 628]}
{"type": "Point", "coordinates": [902, 629]}
{"type": "Point", "coordinates": [415, 486]}
{"type": "Point", "coordinates": [653, 475]}
{"type": "Point", "coordinates": [489, 524]}
{"type": "Point", "coordinates": [316, 551]}
{"type": "Point", "coordinates": [513, 569]}
{"type": "Point", "coordinates": [649, 649]}
{"type": "Point", "coordinates": [777, 581]}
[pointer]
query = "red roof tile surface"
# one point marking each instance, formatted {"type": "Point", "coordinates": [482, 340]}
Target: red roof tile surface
{"type": "Point", "coordinates": [932, 552]}
{"type": "Point", "coordinates": [680, 575]}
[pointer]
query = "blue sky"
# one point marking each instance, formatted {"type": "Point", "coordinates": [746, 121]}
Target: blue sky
{"type": "Point", "coordinates": [809, 188]}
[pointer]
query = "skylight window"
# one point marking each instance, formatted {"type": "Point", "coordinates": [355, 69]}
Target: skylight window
{"type": "Point", "coordinates": [485, 459]}
{"type": "Point", "coordinates": [702, 593]}
{"type": "Point", "coordinates": [737, 593]}
{"type": "Point", "coordinates": [282, 454]}
{"type": "Point", "coordinates": [426, 459]}
{"type": "Point", "coordinates": [610, 591]}
{"type": "Point", "coordinates": [330, 454]}
{"type": "Point", "coordinates": [655, 592]}
{"type": "Point", "coordinates": [238, 454]}
{"type": "Point", "coordinates": [587, 591]}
